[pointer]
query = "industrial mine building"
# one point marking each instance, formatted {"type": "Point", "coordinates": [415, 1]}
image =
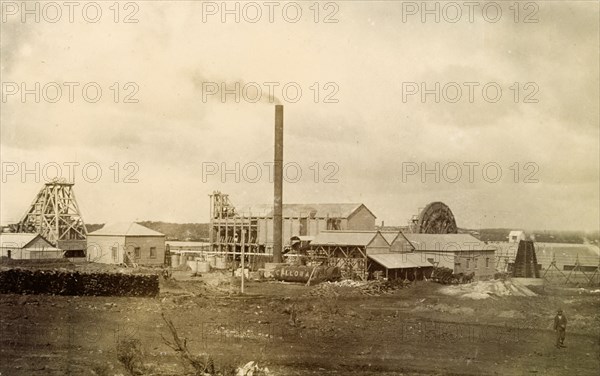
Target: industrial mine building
{"type": "Point", "coordinates": [462, 253]}
{"type": "Point", "coordinates": [345, 235]}
{"type": "Point", "coordinates": [252, 227]}
{"type": "Point", "coordinates": [360, 254]}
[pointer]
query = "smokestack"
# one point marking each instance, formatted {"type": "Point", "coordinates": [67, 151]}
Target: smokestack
{"type": "Point", "coordinates": [278, 188]}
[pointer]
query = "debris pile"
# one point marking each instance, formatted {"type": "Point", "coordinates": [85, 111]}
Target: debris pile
{"type": "Point", "coordinates": [55, 282]}
{"type": "Point", "coordinates": [252, 369]}
{"type": "Point", "coordinates": [486, 289]}
{"type": "Point", "coordinates": [349, 287]}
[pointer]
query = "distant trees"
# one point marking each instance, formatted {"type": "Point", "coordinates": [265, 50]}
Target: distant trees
{"type": "Point", "coordinates": [173, 231]}
{"type": "Point", "coordinates": [546, 236]}
{"type": "Point", "coordinates": [199, 232]}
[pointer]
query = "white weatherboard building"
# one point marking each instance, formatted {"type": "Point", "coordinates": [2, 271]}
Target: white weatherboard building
{"type": "Point", "coordinates": [462, 253]}
{"type": "Point", "coordinates": [516, 236]}
{"type": "Point", "coordinates": [126, 243]}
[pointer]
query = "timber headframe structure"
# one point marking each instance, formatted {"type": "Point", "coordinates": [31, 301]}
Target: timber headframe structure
{"type": "Point", "coordinates": [55, 215]}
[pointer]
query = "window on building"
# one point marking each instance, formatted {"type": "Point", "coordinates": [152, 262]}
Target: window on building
{"type": "Point", "coordinates": [114, 253]}
{"type": "Point", "coordinates": [137, 252]}
{"type": "Point", "coordinates": [303, 226]}
{"type": "Point", "coordinates": [475, 262]}
{"type": "Point", "coordinates": [334, 224]}
{"type": "Point", "coordinates": [468, 262]}
{"type": "Point", "coordinates": [152, 252]}
{"type": "Point", "coordinates": [487, 262]}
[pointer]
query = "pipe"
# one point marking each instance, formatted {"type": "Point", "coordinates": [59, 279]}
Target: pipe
{"type": "Point", "coordinates": [278, 186]}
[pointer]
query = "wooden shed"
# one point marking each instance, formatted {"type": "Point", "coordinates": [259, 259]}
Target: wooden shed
{"type": "Point", "coordinates": [411, 266]}
{"type": "Point", "coordinates": [348, 250]}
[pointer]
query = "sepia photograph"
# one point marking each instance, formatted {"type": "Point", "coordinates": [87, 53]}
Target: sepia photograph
{"type": "Point", "coordinates": [290, 188]}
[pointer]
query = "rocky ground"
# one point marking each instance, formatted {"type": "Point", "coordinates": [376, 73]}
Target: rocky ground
{"type": "Point", "coordinates": [292, 329]}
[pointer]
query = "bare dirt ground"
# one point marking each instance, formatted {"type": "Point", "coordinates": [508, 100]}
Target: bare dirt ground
{"type": "Point", "coordinates": [298, 330]}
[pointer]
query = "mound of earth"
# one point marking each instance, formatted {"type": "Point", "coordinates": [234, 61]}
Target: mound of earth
{"type": "Point", "coordinates": [485, 289]}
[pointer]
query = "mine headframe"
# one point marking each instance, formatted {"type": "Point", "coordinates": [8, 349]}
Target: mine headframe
{"type": "Point", "coordinates": [54, 214]}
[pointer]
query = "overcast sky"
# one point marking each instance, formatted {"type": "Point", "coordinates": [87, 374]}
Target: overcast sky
{"type": "Point", "coordinates": [372, 62]}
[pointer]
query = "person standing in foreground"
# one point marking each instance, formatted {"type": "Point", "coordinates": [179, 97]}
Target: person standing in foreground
{"type": "Point", "coordinates": [560, 326]}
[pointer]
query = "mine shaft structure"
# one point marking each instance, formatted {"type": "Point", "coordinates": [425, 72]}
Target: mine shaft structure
{"type": "Point", "coordinates": [526, 265]}
{"type": "Point", "coordinates": [233, 228]}
{"type": "Point", "coordinates": [230, 230]}
{"type": "Point", "coordinates": [435, 218]}
{"type": "Point", "coordinates": [54, 214]}
{"type": "Point", "coordinates": [233, 233]}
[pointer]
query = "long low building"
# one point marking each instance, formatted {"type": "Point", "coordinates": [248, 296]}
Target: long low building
{"type": "Point", "coordinates": [252, 226]}
{"type": "Point", "coordinates": [564, 256]}
{"type": "Point", "coordinates": [186, 246]}
{"type": "Point", "coordinates": [362, 254]}
{"type": "Point", "coordinates": [27, 246]}
{"type": "Point", "coordinates": [407, 265]}
{"type": "Point", "coordinates": [462, 253]}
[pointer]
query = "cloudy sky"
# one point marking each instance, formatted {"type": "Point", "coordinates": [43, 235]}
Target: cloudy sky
{"type": "Point", "coordinates": [512, 140]}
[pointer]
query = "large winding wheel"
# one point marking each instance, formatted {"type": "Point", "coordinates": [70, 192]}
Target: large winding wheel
{"type": "Point", "coordinates": [436, 218]}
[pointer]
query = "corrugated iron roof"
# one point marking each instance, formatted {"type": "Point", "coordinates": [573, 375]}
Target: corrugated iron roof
{"type": "Point", "coordinates": [177, 243]}
{"type": "Point", "coordinates": [447, 242]}
{"type": "Point", "coordinates": [390, 235]}
{"type": "Point", "coordinates": [22, 239]}
{"type": "Point", "coordinates": [125, 229]}
{"type": "Point", "coordinates": [254, 210]}
{"type": "Point", "coordinates": [400, 260]}
{"type": "Point", "coordinates": [344, 238]}
{"type": "Point", "coordinates": [319, 210]}
{"type": "Point", "coordinates": [302, 210]}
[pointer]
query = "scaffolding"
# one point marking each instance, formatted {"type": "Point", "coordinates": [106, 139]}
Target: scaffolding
{"type": "Point", "coordinates": [233, 230]}
{"type": "Point", "coordinates": [352, 260]}
{"type": "Point", "coordinates": [233, 234]}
